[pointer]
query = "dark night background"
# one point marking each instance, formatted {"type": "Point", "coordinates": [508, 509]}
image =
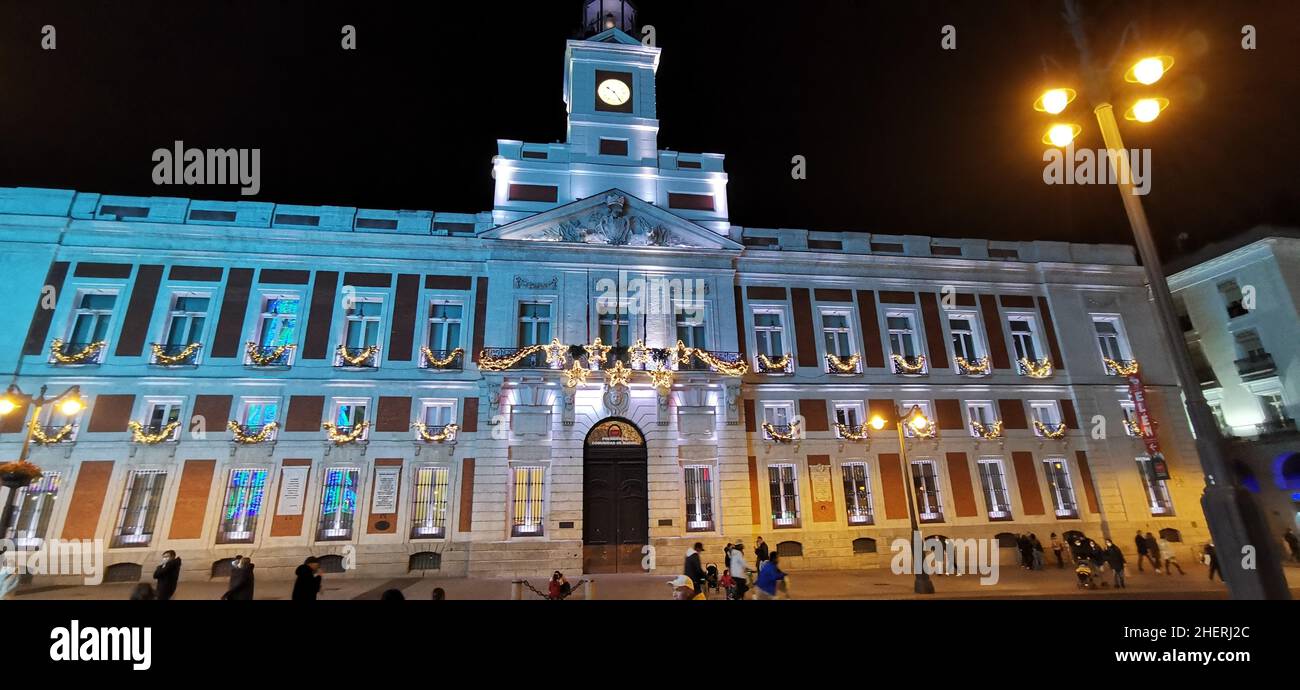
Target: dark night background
{"type": "Point", "coordinates": [900, 136]}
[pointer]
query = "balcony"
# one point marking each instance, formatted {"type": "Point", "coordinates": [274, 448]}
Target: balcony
{"type": "Point", "coordinates": [773, 366]}
{"type": "Point", "coordinates": [1235, 310]}
{"type": "Point", "coordinates": [442, 360]}
{"type": "Point", "coordinates": [501, 358]}
{"type": "Point", "coordinates": [909, 365]}
{"type": "Point", "coordinates": [268, 355]}
{"type": "Point", "coordinates": [175, 354]}
{"type": "Point", "coordinates": [1274, 427]}
{"type": "Point", "coordinates": [357, 357]}
{"type": "Point", "coordinates": [65, 353]}
{"type": "Point", "coordinates": [1256, 365]}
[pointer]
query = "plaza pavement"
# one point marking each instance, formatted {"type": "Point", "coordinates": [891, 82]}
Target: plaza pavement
{"type": "Point", "coordinates": [879, 583]}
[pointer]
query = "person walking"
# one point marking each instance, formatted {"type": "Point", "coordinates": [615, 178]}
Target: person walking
{"type": "Point", "coordinates": [693, 569]}
{"type": "Point", "coordinates": [1026, 551]}
{"type": "Point", "coordinates": [306, 584]}
{"type": "Point", "coordinates": [1037, 547]}
{"type": "Point", "coordinates": [143, 592]}
{"type": "Point", "coordinates": [684, 589]}
{"type": "Point", "coordinates": [760, 552]}
{"type": "Point", "coordinates": [1115, 559]}
{"type": "Point", "coordinates": [1144, 552]}
{"type": "Point", "coordinates": [241, 580]}
{"type": "Point", "coordinates": [726, 556]}
{"type": "Point", "coordinates": [1166, 551]}
{"type": "Point", "coordinates": [167, 574]}
{"type": "Point", "coordinates": [739, 571]}
{"type": "Point", "coordinates": [1057, 548]}
{"type": "Point", "coordinates": [1293, 542]}
{"type": "Point", "coordinates": [559, 587]}
{"type": "Point", "coordinates": [769, 579]}
{"type": "Point", "coordinates": [1212, 560]}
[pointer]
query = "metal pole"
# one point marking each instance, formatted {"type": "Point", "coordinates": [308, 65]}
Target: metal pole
{"type": "Point", "coordinates": [923, 584]}
{"type": "Point", "coordinates": [1235, 523]}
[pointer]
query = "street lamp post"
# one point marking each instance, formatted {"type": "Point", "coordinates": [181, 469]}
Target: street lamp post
{"type": "Point", "coordinates": [1236, 524]}
{"type": "Point", "coordinates": [917, 420]}
{"type": "Point", "coordinates": [14, 399]}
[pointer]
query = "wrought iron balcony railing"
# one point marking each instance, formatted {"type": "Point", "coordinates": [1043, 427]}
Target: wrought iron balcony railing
{"type": "Point", "coordinates": [1256, 365]}
{"type": "Point", "coordinates": [175, 354]}
{"type": "Point", "coordinates": [268, 355]}
{"type": "Point", "coordinates": [1276, 426]}
{"type": "Point", "coordinates": [442, 360]}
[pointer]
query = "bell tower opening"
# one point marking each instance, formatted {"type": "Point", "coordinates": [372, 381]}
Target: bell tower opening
{"type": "Point", "coordinates": [602, 15]}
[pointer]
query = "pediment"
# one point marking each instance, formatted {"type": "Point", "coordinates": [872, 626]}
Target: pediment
{"type": "Point", "coordinates": [612, 218]}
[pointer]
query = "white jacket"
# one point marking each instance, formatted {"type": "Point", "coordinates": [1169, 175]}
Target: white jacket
{"type": "Point", "coordinates": [738, 565]}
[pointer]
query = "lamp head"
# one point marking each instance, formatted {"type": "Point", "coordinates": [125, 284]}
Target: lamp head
{"type": "Point", "coordinates": [877, 422]}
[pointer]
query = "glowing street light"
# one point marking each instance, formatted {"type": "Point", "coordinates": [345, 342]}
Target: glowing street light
{"type": "Point", "coordinates": [1148, 71]}
{"type": "Point", "coordinates": [1146, 109]}
{"type": "Point", "coordinates": [1054, 101]}
{"type": "Point", "coordinates": [1061, 135]}
{"type": "Point", "coordinates": [878, 422]}
{"type": "Point", "coordinates": [7, 405]}
{"type": "Point", "coordinates": [71, 406]}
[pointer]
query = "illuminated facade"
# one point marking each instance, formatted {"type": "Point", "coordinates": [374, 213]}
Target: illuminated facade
{"type": "Point", "coordinates": [422, 392]}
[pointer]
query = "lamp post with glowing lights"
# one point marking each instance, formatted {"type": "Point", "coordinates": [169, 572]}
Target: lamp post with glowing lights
{"type": "Point", "coordinates": [917, 421]}
{"type": "Point", "coordinates": [14, 400]}
{"type": "Point", "coordinates": [1236, 524]}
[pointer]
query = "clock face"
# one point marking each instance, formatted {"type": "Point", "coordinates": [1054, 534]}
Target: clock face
{"type": "Point", "coordinates": [613, 92]}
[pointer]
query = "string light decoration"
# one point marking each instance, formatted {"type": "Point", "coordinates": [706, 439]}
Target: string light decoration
{"type": "Point", "coordinates": [1040, 369]}
{"type": "Point", "coordinates": [263, 359]}
{"type": "Point", "coordinates": [597, 352]}
{"type": "Point", "coordinates": [988, 433]}
{"type": "Point", "coordinates": [358, 359]}
{"type": "Point", "coordinates": [440, 362]}
{"type": "Point", "coordinates": [556, 353]}
{"type": "Point", "coordinates": [682, 353]}
{"type": "Point", "coordinates": [160, 355]}
{"type": "Point", "coordinates": [576, 375]}
{"type": "Point", "coordinates": [618, 375]}
{"type": "Point", "coordinates": [638, 354]}
{"type": "Point", "coordinates": [38, 434]}
{"type": "Point", "coordinates": [490, 363]}
{"type": "Point", "coordinates": [769, 365]}
{"type": "Point", "coordinates": [977, 368]}
{"type": "Point", "coordinates": [843, 366]}
{"type": "Point", "coordinates": [915, 365]}
{"type": "Point", "coordinates": [930, 430]}
{"type": "Point", "coordinates": [852, 433]}
{"type": "Point", "coordinates": [737, 368]}
{"type": "Point", "coordinates": [139, 435]}
{"type": "Point", "coordinates": [662, 379]}
{"type": "Point", "coordinates": [448, 433]}
{"type": "Point", "coordinates": [83, 355]}
{"type": "Point", "coordinates": [345, 437]}
{"type": "Point", "coordinates": [1120, 368]}
{"type": "Point", "coordinates": [1048, 432]}
{"type": "Point", "coordinates": [244, 438]}
{"type": "Point", "coordinates": [783, 437]}
{"type": "Point", "coordinates": [1132, 428]}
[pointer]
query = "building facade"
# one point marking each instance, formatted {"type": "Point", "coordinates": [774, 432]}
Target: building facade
{"type": "Point", "coordinates": [1240, 305]}
{"type": "Point", "coordinates": [601, 363]}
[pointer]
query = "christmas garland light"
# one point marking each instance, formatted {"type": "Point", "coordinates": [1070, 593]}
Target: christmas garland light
{"type": "Point", "coordinates": [556, 352]}
{"type": "Point", "coordinates": [597, 352]}
{"type": "Point", "coordinates": [916, 366]}
{"type": "Point", "coordinates": [638, 354]}
{"type": "Point", "coordinates": [448, 432]}
{"type": "Point", "coordinates": [619, 375]}
{"type": "Point", "coordinates": [86, 353]}
{"type": "Point", "coordinates": [490, 363]}
{"type": "Point", "coordinates": [976, 368]}
{"type": "Point", "coordinates": [267, 359]}
{"type": "Point", "coordinates": [1132, 428]}
{"type": "Point", "coordinates": [989, 432]}
{"type": "Point", "coordinates": [852, 434]}
{"type": "Point", "coordinates": [930, 431]}
{"type": "Point", "coordinates": [39, 435]}
{"type": "Point", "coordinates": [435, 362]}
{"type": "Point", "coordinates": [160, 355]}
{"type": "Point", "coordinates": [332, 432]}
{"type": "Point", "coordinates": [779, 365]}
{"type": "Point", "coordinates": [358, 359]}
{"type": "Point", "coordinates": [782, 437]}
{"type": "Point", "coordinates": [681, 352]}
{"type": "Point", "coordinates": [662, 379]}
{"type": "Point", "coordinates": [843, 366]}
{"type": "Point", "coordinates": [1120, 368]}
{"type": "Point", "coordinates": [576, 375]}
{"type": "Point", "coordinates": [139, 435]}
{"type": "Point", "coordinates": [1054, 434]}
{"type": "Point", "coordinates": [250, 439]}
{"type": "Point", "coordinates": [738, 368]}
{"type": "Point", "coordinates": [1040, 369]}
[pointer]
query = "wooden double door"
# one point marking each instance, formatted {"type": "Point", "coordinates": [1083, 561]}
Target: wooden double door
{"type": "Point", "coordinates": [615, 509]}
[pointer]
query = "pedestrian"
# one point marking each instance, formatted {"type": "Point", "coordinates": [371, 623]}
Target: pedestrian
{"type": "Point", "coordinates": [1056, 550]}
{"type": "Point", "coordinates": [143, 592]}
{"type": "Point", "coordinates": [392, 595]}
{"type": "Point", "coordinates": [1144, 552]}
{"type": "Point", "coordinates": [1212, 560]}
{"type": "Point", "coordinates": [1115, 559]}
{"type": "Point", "coordinates": [559, 587]}
{"type": "Point", "coordinates": [739, 571]}
{"type": "Point", "coordinates": [726, 555]}
{"type": "Point", "coordinates": [1166, 551]}
{"type": "Point", "coordinates": [770, 578]}
{"type": "Point", "coordinates": [306, 584]}
{"type": "Point", "coordinates": [684, 589]}
{"type": "Point", "coordinates": [1293, 542]}
{"type": "Point", "coordinates": [167, 574]}
{"type": "Point", "coordinates": [241, 580]}
{"type": "Point", "coordinates": [438, 594]}
{"type": "Point", "coordinates": [1026, 551]}
{"type": "Point", "coordinates": [693, 569]}
{"type": "Point", "coordinates": [760, 552]}
{"type": "Point", "coordinates": [1037, 551]}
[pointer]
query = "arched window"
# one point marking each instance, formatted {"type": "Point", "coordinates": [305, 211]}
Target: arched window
{"type": "Point", "coordinates": [864, 545]}
{"type": "Point", "coordinates": [331, 564]}
{"type": "Point", "coordinates": [425, 560]}
{"type": "Point", "coordinates": [788, 549]}
{"type": "Point", "coordinates": [123, 572]}
{"type": "Point", "coordinates": [1171, 534]}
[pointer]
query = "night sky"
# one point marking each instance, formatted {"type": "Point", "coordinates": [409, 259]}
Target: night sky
{"type": "Point", "coordinates": [900, 136]}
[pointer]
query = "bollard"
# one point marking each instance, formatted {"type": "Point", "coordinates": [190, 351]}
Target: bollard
{"type": "Point", "coordinates": [590, 594]}
{"type": "Point", "coordinates": [516, 590]}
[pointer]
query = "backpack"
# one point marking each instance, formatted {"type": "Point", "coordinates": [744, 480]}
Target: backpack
{"type": "Point", "coordinates": [565, 589]}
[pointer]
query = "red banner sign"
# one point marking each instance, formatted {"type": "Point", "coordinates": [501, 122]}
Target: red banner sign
{"type": "Point", "coordinates": [1147, 427]}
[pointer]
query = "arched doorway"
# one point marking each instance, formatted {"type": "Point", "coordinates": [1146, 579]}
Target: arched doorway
{"type": "Point", "coordinates": [615, 498]}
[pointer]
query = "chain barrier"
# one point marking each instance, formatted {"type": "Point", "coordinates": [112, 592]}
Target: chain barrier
{"type": "Point", "coordinates": [546, 595]}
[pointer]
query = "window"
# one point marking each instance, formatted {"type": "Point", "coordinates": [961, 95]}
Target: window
{"type": "Point", "coordinates": [1024, 337]}
{"type": "Point", "coordinates": [907, 406]}
{"type": "Point", "coordinates": [528, 501]}
{"type": "Point", "coordinates": [444, 327]}
{"type": "Point", "coordinates": [348, 414]}
{"type": "Point", "coordinates": [1157, 490]}
{"type": "Point", "coordinates": [780, 415]}
{"type": "Point", "coordinates": [691, 324]}
{"type": "Point", "coordinates": [614, 327]}
{"type": "Point", "coordinates": [534, 323]}
{"type": "Point", "coordinates": [929, 501]}
{"type": "Point", "coordinates": [613, 147]}
{"type": "Point", "coordinates": [30, 509]}
{"type": "Point", "coordinates": [52, 421]}
{"type": "Point", "coordinates": [784, 491]}
{"type": "Point", "coordinates": [902, 334]}
{"type": "Point", "coordinates": [1046, 411]}
{"type": "Point", "coordinates": [1058, 484]}
{"type": "Point", "coordinates": [994, 484]}
{"type": "Point", "coordinates": [1131, 425]}
{"type": "Point", "coordinates": [163, 413]}
{"type": "Point", "coordinates": [338, 505]}
{"type": "Point", "coordinates": [429, 503]}
{"type": "Point", "coordinates": [699, 498]}
{"type": "Point", "coordinates": [139, 512]}
{"type": "Point", "coordinates": [90, 322]}
{"type": "Point", "coordinates": [982, 413]}
{"type": "Point", "coordinates": [1273, 406]}
{"type": "Point", "coordinates": [857, 492]}
{"type": "Point", "coordinates": [851, 415]}
{"type": "Point", "coordinates": [1110, 338]}
{"type": "Point", "coordinates": [256, 413]}
{"type": "Point", "coordinates": [244, 496]}
{"type": "Point", "coordinates": [965, 339]}
{"type": "Point", "coordinates": [1230, 292]}
{"type": "Point", "coordinates": [769, 335]}
{"type": "Point", "coordinates": [1249, 345]}
{"type": "Point", "coordinates": [362, 324]}
{"type": "Point", "coordinates": [185, 322]}
{"type": "Point", "coordinates": [436, 415]}
{"type": "Point", "coordinates": [278, 325]}
{"type": "Point", "coordinates": [837, 336]}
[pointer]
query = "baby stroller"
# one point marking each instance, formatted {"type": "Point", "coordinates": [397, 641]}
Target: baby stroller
{"type": "Point", "coordinates": [1086, 573]}
{"type": "Point", "coordinates": [711, 576]}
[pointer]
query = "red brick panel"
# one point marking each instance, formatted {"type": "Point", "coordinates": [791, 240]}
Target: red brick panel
{"type": "Point", "coordinates": [87, 499]}
{"type": "Point", "coordinates": [192, 499]}
{"type": "Point", "coordinates": [963, 489]}
{"type": "Point", "coordinates": [1031, 499]}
